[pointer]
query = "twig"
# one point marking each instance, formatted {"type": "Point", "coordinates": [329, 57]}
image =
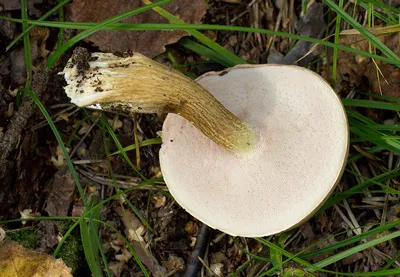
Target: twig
{"type": "Point", "coordinates": [18, 123]}
{"type": "Point", "coordinates": [121, 184]}
{"type": "Point", "coordinates": [83, 138]}
{"type": "Point", "coordinates": [198, 251]}
{"type": "Point", "coordinates": [56, 117]}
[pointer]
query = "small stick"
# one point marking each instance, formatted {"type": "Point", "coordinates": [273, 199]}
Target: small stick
{"type": "Point", "coordinates": [198, 251]}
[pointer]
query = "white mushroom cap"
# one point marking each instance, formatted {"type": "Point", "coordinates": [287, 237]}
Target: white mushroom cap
{"type": "Point", "coordinates": [300, 156]}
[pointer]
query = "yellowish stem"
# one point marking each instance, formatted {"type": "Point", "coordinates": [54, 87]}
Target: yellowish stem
{"type": "Point", "coordinates": [137, 84]}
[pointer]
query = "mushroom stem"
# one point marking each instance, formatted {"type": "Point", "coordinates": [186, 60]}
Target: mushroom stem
{"type": "Point", "coordinates": [137, 84]}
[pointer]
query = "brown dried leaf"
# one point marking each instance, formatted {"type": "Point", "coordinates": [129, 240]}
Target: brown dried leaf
{"type": "Point", "coordinates": [9, 5]}
{"type": "Point", "coordinates": [132, 231]}
{"type": "Point", "coordinates": [174, 263]}
{"type": "Point", "coordinates": [389, 84]}
{"type": "Point", "coordinates": [16, 261]}
{"type": "Point", "coordinates": [149, 43]}
{"type": "Point", "coordinates": [351, 67]}
{"type": "Point", "coordinates": [59, 200]}
{"type": "Point", "coordinates": [116, 268]}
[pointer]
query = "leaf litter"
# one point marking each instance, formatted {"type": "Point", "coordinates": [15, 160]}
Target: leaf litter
{"type": "Point", "coordinates": [16, 261]}
{"type": "Point", "coordinates": [149, 43]}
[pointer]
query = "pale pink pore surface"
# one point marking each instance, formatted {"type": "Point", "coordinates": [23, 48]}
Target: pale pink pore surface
{"type": "Point", "coordinates": [302, 148]}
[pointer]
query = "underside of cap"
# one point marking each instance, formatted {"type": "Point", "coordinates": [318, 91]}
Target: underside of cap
{"type": "Point", "coordinates": [302, 127]}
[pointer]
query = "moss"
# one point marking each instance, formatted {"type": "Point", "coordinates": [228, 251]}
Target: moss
{"type": "Point", "coordinates": [72, 254]}
{"type": "Point", "coordinates": [27, 237]}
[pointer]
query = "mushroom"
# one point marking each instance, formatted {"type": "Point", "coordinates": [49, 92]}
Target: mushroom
{"type": "Point", "coordinates": [252, 151]}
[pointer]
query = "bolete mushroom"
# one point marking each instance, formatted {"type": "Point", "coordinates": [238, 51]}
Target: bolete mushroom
{"type": "Point", "coordinates": [252, 151]}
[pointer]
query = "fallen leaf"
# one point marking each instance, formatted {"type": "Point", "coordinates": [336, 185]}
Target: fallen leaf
{"type": "Point", "coordinates": [7, 28]}
{"type": "Point", "coordinates": [59, 199]}
{"type": "Point", "coordinates": [77, 209]}
{"type": "Point", "coordinates": [134, 230]}
{"type": "Point", "coordinates": [136, 234]}
{"type": "Point", "coordinates": [352, 258]}
{"type": "Point", "coordinates": [116, 268]}
{"type": "Point", "coordinates": [16, 261]}
{"type": "Point", "coordinates": [216, 270]}
{"type": "Point", "coordinates": [149, 43]}
{"type": "Point", "coordinates": [351, 67]}
{"type": "Point", "coordinates": [48, 234]}
{"type": "Point", "coordinates": [17, 66]}
{"type": "Point", "coordinates": [386, 82]}
{"type": "Point", "coordinates": [115, 124]}
{"type": "Point", "coordinates": [174, 263]}
{"type": "Point", "coordinates": [9, 5]}
{"type": "Point", "coordinates": [124, 257]}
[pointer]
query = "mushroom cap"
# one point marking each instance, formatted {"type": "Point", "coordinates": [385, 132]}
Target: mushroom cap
{"type": "Point", "coordinates": [299, 158]}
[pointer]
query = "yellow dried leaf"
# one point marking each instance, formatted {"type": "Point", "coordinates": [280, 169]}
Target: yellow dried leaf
{"type": "Point", "coordinates": [16, 261]}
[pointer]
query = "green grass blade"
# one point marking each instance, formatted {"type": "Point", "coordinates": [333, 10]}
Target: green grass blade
{"type": "Point", "coordinates": [120, 148]}
{"type": "Point", "coordinates": [356, 157]}
{"type": "Point", "coordinates": [276, 256]}
{"type": "Point", "coordinates": [27, 45]}
{"type": "Point", "coordinates": [383, 97]}
{"type": "Point", "coordinates": [105, 262]}
{"type": "Point", "coordinates": [361, 126]}
{"type": "Point", "coordinates": [351, 240]}
{"type": "Point", "coordinates": [46, 15]}
{"type": "Point", "coordinates": [357, 249]}
{"type": "Point", "coordinates": [377, 137]}
{"type": "Point", "coordinates": [98, 205]}
{"type": "Point", "coordinates": [61, 31]}
{"type": "Point", "coordinates": [76, 129]}
{"type": "Point", "coordinates": [384, 187]}
{"type": "Point", "coordinates": [391, 261]}
{"type": "Point", "coordinates": [180, 67]}
{"type": "Point", "coordinates": [336, 41]}
{"type": "Point", "coordinates": [390, 16]}
{"type": "Point", "coordinates": [332, 259]}
{"type": "Point", "coordinates": [386, 127]}
{"type": "Point", "coordinates": [129, 246]}
{"type": "Point", "coordinates": [146, 142]}
{"type": "Point", "coordinates": [117, 189]}
{"type": "Point", "coordinates": [60, 142]}
{"type": "Point", "coordinates": [383, 6]}
{"type": "Point", "coordinates": [286, 253]}
{"type": "Point", "coordinates": [373, 39]}
{"type": "Point", "coordinates": [338, 197]}
{"type": "Point", "coordinates": [242, 268]}
{"type": "Point", "coordinates": [204, 51]}
{"type": "Point", "coordinates": [187, 27]}
{"type": "Point", "coordinates": [90, 239]}
{"type": "Point", "coordinates": [53, 58]}
{"type": "Point", "coordinates": [230, 58]}
{"type": "Point", "coordinates": [85, 218]}
{"type": "Point", "coordinates": [371, 104]}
